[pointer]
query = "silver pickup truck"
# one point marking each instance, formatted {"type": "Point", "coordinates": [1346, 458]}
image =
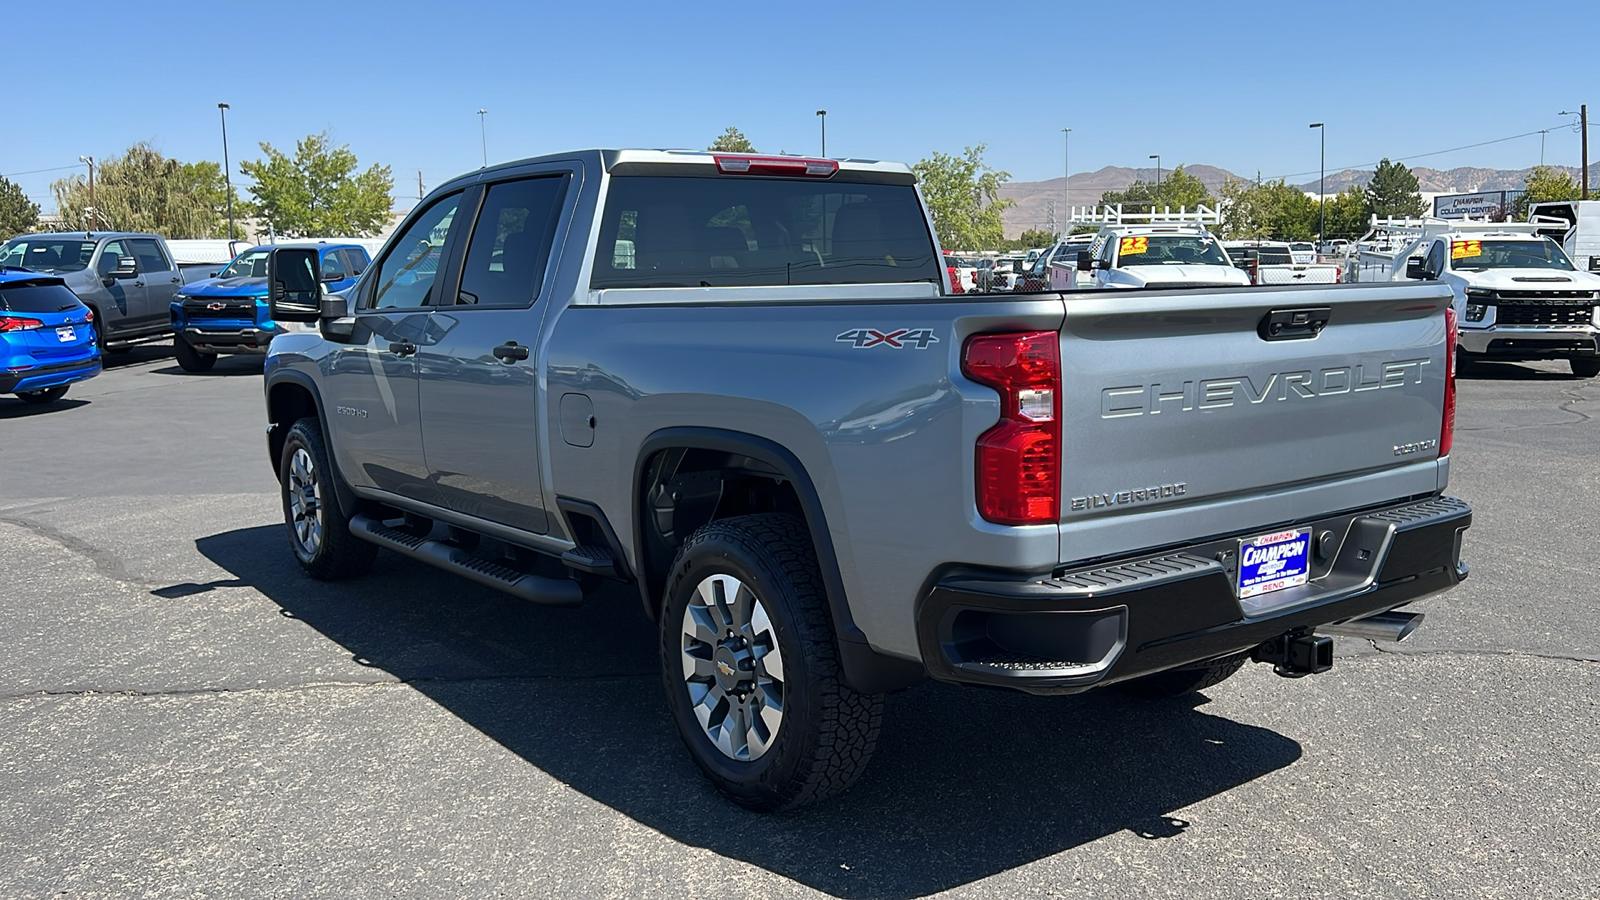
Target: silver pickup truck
{"type": "Point", "coordinates": [741, 385]}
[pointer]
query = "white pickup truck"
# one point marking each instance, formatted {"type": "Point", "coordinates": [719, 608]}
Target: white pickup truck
{"type": "Point", "coordinates": [1517, 294]}
{"type": "Point", "coordinates": [1274, 262]}
{"type": "Point", "coordinates": [1157, 250]}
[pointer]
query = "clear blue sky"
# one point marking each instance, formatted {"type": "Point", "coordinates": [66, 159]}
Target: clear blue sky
{"type": "Point", "coordinates": [1228, 84]}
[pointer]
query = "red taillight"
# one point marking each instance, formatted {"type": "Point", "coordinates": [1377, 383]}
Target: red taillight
{"type": "Point", "coordinates": [1447, 428]}
{"type": "Point", "coordinates": [1019, 460]}
{"type": "Point", "coordinates": [17, 323]}
{"type": "Point", "coordinates": [776, 165]}
{"type": "Point", "coordinates": [88, 316]}
{"type": "Point", "coordinates": [955, 280]}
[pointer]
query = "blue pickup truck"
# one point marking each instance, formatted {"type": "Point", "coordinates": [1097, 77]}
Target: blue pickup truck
{"type": "Point", "coordinates": [227, 313]}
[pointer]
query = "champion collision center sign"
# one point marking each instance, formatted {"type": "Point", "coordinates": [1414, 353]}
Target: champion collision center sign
{"type": "Point", "coordinates": [1481, 205]}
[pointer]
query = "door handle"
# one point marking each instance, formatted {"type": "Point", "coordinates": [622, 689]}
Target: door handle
{"type": "Point", "coordinates": [177, 281]}
{"type": "Point", "coordinates": [138, 284]}
{"type": "Point", "coordinates": [511, 351]}
{"type": "Point", "coordinates": [402, 347]}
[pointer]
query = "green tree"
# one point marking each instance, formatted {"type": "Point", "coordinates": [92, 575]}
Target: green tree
{"type": "Point", "coordinates": [317, 191]}
{"type": "Point", "coordinates": [141, 190]}
{"type": "Point", "coordinates": [963, 196]}
{"type": "Point", "coordinates": [1393, 191]}
{"type": "Point", "coordinates": [1347, 214]}
{"type": "Point", "coordinates": [18, 214]}
{"type": "Point", "coordinates": [1033, 237]}
{"type": "Point", "coordinates": [1271, 210]}
{"type": "Point", "coordinates": [732, 141]}
{"type": "Point", "coordinates": [1544, 183]}
{"type": "Point", "coordinates": [1178, 190]}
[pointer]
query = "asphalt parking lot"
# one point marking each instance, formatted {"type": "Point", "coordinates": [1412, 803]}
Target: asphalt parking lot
{"type": "Point", "coordinates": [183, 713]}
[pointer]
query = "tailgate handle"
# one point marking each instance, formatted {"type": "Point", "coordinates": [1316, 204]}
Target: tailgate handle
{"type": "Point", "coordinates": [1294, 324]}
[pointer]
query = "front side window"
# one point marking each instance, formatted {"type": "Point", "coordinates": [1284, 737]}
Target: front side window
{"type": "Point", "coordinates": [53, 255]}
{"type": "Point", "coordinates": [150, 256]}
{"type": "Point", "coordinates": [721, 231]}
{"type": "Point", "coordinates": [510, 247]}
{"type": "Point", "coordinates": [406, 275]}
{"type": "Point", "coordinates": [333, 266]}
{"type": "Point", "coordinates": [1475, 255]}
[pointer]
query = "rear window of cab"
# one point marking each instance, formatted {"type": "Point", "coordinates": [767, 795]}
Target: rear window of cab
{"type": "Point", "coordinates": [730, 231]}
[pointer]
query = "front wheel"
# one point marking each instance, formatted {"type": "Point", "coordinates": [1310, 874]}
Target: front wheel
{"type": "Point", "coordinates": [319, 533]}
{"type": "Point", "coordinates": [1588, 367]}
{"type": "Point", "coordinates": [190, 359]}
{"type": "Point", "coordinates": [43, 395]}
{"type": "Point", "coordinates": [752, 670]}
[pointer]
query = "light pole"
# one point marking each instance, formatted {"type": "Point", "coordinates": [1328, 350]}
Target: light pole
{"type": "Point", "coordinates": [1066, 182]}
{"type": "Point", "coordinates": [1322, 177]}
{"type": "Point", "coordinates": [227, 176]}
{"type": "Point", "coordinates": [1583, 127]}
{"type": "Point", "coordinates": [483, 135]}
{"type": "Point", "coordinates": [94, 214]}
{"type": "Point", "coordinates": [823, 115]}
{"type": "Point", "coordinates": [1542, 133]}
{"type": "Point", "coordinates": [1157, 158]}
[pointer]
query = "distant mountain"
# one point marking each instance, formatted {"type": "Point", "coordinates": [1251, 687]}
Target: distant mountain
{"type": "Point", "coordinates": [1462, 180]}
{"type": "Point", "coordinates": [1034, 198]}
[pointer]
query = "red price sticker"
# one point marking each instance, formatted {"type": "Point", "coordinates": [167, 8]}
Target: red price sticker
{"type": "Point", "coordinates": [1464, 249]}
{"type": "Point", "coordinates": [1134, 245]}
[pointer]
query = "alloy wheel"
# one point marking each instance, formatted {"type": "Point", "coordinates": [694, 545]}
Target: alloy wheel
{"type": "Point", "coordinates": [305, 502]}
{"type": "Point", "coordinates": [733, 668]}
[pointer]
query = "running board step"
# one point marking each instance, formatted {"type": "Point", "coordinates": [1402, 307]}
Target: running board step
{"type": "Point", "coordinates": [591, 558]}
{"type": "Point", "coordinates": [539, 589]}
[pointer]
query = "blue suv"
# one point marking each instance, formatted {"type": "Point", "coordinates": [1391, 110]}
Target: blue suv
{"type": "Point", "coordinates": [47, 337]}
{"type": "Point", "coordinates": [227, 313]}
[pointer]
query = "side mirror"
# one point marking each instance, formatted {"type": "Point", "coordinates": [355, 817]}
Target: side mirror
{"type": "Point", "coordinates": [294, 285]}
{"type": "Point", "coordinates": [1085, 262]}
{"type": "Point", "coordinates": [1417, 269]}
{"type": "Point", "coordinates": [215, 274]}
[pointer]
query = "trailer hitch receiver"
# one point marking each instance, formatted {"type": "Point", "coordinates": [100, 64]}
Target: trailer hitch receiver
{"type": "Point", "coordinates": [1297, 655]}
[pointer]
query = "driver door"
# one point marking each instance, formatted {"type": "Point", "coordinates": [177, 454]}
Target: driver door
{"type": "Point", "coordinates": [371, 378]}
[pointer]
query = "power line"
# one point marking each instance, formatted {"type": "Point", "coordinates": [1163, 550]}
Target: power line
{"type": "Point", "coordinates": [38, 171]}
{"type": "Point", "coordinates": [1414, 155]}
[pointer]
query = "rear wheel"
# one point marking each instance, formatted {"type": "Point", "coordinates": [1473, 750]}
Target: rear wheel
{"type": "Point", "coordinates": [43, 395]}
{"type": "Point", "coordinates": [1585, 368]}
{"type": "Point", "coordinates": [1178, 682]}
{"type": "Point", "coordinates": [319, 532]}
{"type": "Point", "coordinates": [190, 359]}
{"type": "Point", "coordinates": [752, 670]}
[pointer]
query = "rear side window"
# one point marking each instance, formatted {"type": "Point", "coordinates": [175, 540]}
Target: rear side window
{"type": "Point", "coordinates": [357, 258]}
{"type": "Point", "coordinates": [37, 298]}
{"type": "Point", "coordinates": [729, 231]}
{"type": "Point", "coordinates": [510, 247]}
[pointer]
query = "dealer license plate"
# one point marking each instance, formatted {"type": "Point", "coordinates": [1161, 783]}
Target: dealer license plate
{"type": "Point", "coordinates": [1273, 562]}
{"type": "Point", "coordinates": [66, 334]}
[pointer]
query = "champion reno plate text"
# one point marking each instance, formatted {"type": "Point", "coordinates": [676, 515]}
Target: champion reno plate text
{"type": "Point", "coordinates": [1222, 393]}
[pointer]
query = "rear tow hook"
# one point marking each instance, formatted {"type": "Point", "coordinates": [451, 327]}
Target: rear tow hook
{"type": "Point", "coordinates": [1296, 655]}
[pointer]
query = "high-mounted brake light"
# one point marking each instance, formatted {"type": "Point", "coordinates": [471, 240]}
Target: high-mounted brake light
{"type": "Point", "coordinates": [1019, 459]}
{"type": "Point", "coordinates": [1447, 427]}
{"type": "Point", "coordinates": [17, 323]}
{"type": "Point", "coordinates": [776, 165]}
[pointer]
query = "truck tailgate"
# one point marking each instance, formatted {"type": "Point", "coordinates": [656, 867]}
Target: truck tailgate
{"type": "Point", "coordinates": [1184, 416]}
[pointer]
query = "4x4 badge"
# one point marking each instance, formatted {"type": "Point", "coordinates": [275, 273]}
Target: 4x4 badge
{"type": "Point", "coordinates": [895, 339]}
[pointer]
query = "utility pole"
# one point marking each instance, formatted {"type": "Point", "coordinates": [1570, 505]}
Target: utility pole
{"type": "Point", "coordinates": [483, 135]}
{"type": "Point", "coordinates": [1542, 133]}
{"type": "Point", "coordinates": [1066, 182]}
{"type": "Point", "coordinates": [94, 214]}
{"type": "Point", "coordinates": [1583, 130]}
{"type": "Point", "coordinates": [227, 176]}
{"type": "Point", "coordinates": [823, 115]}
{"type": "Point", "coordinates": [1322, 186]}
{"type": "Point", "coordinates": [419, 184]}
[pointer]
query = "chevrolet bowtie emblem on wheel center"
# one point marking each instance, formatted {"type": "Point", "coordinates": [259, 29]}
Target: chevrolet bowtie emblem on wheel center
{"type": "Point", "coordinates": [724, 668]}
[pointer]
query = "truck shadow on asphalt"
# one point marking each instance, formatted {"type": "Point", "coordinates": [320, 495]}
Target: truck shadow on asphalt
{"type": "Point", "coordinates": [12, 408]}
{"type": "Point", "coordinates": [1510, 371]}
{"type": "Point", "coordinates": [966, 783]}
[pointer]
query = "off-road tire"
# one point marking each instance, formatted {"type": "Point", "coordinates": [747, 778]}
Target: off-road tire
{"type": "Point", "coordinates": [829, 730]}
{"type": "Point", "coordinates": [44, 395]}
{"type": "Point", "coordinates": [1588, 367]}
{"type": "Point", "coordinates": [1187, 680]}
{"type": "Point", "coordinates": [190, 359]}
{"type": "Point", "coordinates": [339, 554]}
